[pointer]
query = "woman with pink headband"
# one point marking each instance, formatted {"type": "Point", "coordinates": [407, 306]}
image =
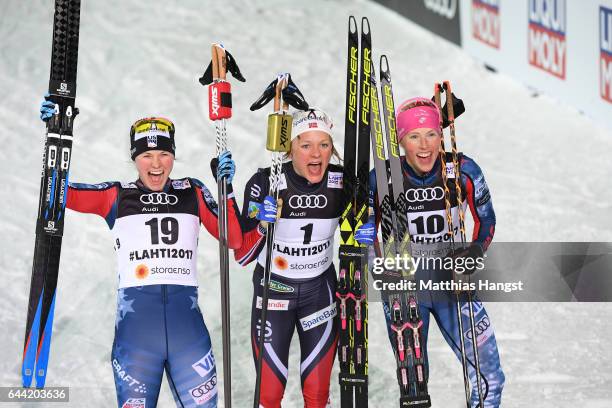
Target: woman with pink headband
{"type": "Point", "coordinates": [419, 134]}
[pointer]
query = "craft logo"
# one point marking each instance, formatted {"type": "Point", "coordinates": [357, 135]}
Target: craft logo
{"type": "Point", "coordinates": [547, 45]}
{"type": "Point", "coordinates": [485, 21]}
{"type": "Point", "coordinates": [605, 46]}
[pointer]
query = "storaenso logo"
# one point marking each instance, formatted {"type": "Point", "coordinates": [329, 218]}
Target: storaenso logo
{"type": "Point", "coordinates": [159, 199]}
{"type": "Point", "coordinates": [415, 195]}
{"type": "Point", "coordinates": [391, 121]}
{"type": "Point", "coordinates": [353, 86]}
{"type": "Point", "coordinates": [445, 8]}
{"type": "Point", "coordinates": [308, 201]}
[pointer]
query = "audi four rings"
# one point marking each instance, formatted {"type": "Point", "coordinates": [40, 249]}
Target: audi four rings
{"type": "Point", "coordinates": [414, 195]}
{"type": "Point", "coordinates": [308, 201]}
{"type": "Point", "coordinates": [159, 198]}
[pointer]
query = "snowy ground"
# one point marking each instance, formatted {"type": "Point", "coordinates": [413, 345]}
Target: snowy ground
{"type": "Point", "coordinates": [547, 167]}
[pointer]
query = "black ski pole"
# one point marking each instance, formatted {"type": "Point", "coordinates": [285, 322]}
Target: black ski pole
{"type": "Point", "coordinates": [220, 109]}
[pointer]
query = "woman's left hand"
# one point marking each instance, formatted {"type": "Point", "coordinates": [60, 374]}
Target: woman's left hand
{"type": "Point", "coordinates": [224, 167]}
{"type": "Point", "coordinates": [366, 234]}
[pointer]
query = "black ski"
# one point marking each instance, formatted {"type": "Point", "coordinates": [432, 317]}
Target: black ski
{"type": "Point", "coordinates": [353, 276]}
{"type": "Point", "coordinates": [53, 190]}
{"type": "Point", "coordinates": [406, 322]}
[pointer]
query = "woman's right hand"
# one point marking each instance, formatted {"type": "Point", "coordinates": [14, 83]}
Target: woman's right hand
{"type": "Point", "coordinates": [47, 109]}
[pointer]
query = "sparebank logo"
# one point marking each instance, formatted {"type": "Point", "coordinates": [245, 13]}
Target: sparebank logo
{"type": "Point", "coordinates": [445, 8]}
{"type": "Point", "coordinates": [486, 22]}
{"type": "Point", "coordinates": [605, 58]}
{"type": "Point", "coordinates": [547, 45]}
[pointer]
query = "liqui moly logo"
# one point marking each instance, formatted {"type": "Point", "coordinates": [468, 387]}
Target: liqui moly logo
{"type": "Point", "coordinates": [485, 21]}
{"type": "Point", "coordinates": [547, 46]}
{"type": "Point", "coordinates": [605, 56]}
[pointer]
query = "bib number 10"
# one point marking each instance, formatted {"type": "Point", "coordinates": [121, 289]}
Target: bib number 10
{"type": "Point", "coordinates": [167, 226]}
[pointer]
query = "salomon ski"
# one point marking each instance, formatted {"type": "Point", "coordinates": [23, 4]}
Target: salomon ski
{"type": "Point", "coordinates": [53, 189]}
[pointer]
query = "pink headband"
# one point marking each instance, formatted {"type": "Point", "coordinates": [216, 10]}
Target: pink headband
{"type": "Point", "coordinates": [417, 113]}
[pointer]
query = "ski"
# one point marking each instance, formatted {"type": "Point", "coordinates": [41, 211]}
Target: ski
{"type": "Point", "coordinates": [406, 322]}
{"type": "Point", "coordinates": [53, 191]}
{"type": "Point", "coordinates": [353, 276]}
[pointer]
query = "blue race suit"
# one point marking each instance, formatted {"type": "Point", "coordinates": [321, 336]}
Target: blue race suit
{"type": "Point", "coordinates": [424, 193]}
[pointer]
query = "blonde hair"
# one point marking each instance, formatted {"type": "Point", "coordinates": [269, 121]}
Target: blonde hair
{"type": "Point", "coordinates": [334, 151]}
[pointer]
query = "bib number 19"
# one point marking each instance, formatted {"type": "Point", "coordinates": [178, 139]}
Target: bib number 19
{"type": "Point", "coordinates": [169, 228]}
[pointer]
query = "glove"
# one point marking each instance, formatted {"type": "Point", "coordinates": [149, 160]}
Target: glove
{"type": "Point", "coordinates": [267, 210]}
{"type": "Point", "coordinates": [458, 109]}
{"type": "Point", "coordinates": [366, 234]}
{"type": "Point", "coordinates": [465, 259]}
{"type": "Point", "coordinates": [47, 109]}
{"type": "Point", "coordinates": [223, 167]}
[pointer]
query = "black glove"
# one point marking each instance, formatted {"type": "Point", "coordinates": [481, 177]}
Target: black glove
{"type": "Point", "coordinates": [458, 109]}
{"type": "Point", "coordinates": [467, 260]}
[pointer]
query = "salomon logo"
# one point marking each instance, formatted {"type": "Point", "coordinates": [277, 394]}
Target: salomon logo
{"type": "Point", "coordinates": [445, 8]}
{"type": "Point", "coordinates": [159, 199]}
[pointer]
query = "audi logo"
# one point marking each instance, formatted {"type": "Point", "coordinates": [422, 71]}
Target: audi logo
{"type": "Point", "coordinates": [159, 198]}
{"type": "Point", "coordinates": [204, 388]}
{"type": "Point", "coordinates": [308, 201]}
{"type": "Point", "coordinates": [481, 327]}
{"type": "Point", "coordinates": [415, 195]}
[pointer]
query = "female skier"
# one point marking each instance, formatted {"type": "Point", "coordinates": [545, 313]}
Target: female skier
{"type": "Point", "coordinates": [419, 134]}
{"type": "Point", "coordinates": [155, 224]}
{"type": "Point", "coordinates": [303, 281]}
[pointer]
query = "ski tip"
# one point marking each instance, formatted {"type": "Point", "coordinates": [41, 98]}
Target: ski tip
{"type": "Point", "coordinates": [384, 64]}
{"type": "Point", "coordinates": [365, 26]}
{"type": "Point", "coordinates": [352, 25]}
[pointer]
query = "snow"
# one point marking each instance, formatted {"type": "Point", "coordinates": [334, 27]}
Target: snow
{"type": "Point", "coordinates": [547, 167]}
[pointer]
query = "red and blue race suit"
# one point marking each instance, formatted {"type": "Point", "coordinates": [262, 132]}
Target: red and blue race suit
{"type": "Point", "coordinates": [426, 211]}
{"type": "Point", "coordinates": [303, 281]}
{"type": "Point", "coordinates": [159, 326]}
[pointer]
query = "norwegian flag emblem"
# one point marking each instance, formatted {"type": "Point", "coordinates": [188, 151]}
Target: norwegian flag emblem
{"type": "Point", "coordinates": [312, 125]}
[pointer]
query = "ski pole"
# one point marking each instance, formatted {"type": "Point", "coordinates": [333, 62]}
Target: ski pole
{"type": "Point", "coordinates": [278, 142]}
{"type": "Point", "coordinates": [449, 220]}
{"type": "Point", "coordinates": [219, 110]}
{"type": "Point", "coordinates": [451, 121]}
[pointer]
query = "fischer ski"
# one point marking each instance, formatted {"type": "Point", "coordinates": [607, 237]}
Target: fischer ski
{"type": "Point", "coordinates": [406, 321]}
{"type": "Point", "coordinates": [53, 191]}
{"type": "Point", "coordinates": [353, 276]}
{"type": "Point", "coordinates": [220, 109]}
